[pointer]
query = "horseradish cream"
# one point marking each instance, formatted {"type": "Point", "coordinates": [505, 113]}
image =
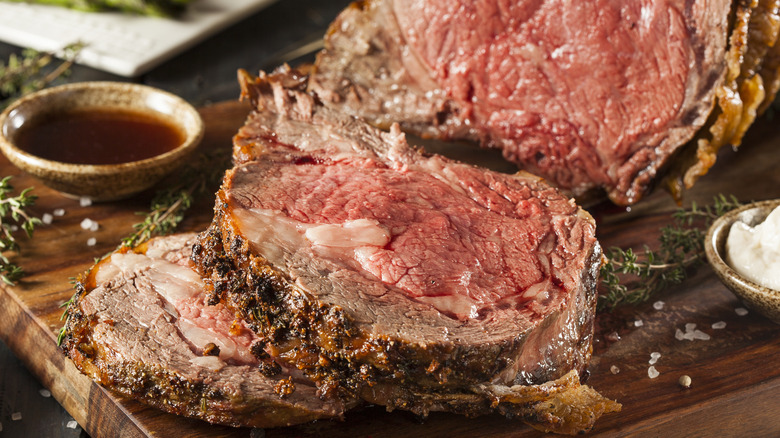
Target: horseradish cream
{"type": "Point", "coordinates": [754, 252]}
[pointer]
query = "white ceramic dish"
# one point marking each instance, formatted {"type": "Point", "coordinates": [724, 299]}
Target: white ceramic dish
{"type": "Point", "coordinates": [122, 44]}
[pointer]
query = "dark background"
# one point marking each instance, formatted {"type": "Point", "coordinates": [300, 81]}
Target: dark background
{"type": "Point", "coordinates": [203, 74]}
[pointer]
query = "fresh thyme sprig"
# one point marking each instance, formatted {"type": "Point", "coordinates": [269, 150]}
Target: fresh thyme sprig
{"type": "Point", "coordinates": [29, 72]}
{"type": "Point", "coordinates": [13, 213]}
{"type": "Point", "coordinates": [169, 205]}
{"type": "Point", "coordinates": [632, 277]}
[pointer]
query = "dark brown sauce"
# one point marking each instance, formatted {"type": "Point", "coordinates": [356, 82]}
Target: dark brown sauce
{"type": "Point", "coordinates": [100, 136]}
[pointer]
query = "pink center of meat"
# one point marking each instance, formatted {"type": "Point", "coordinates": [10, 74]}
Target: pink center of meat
{"type": "Point", "coordinates": [460, 245]}
{"type": "Point", "coordinates": [581, 82]}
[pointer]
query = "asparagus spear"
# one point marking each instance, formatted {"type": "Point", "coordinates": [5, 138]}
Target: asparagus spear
{"type": "Point", "coordinates": [155, 8]}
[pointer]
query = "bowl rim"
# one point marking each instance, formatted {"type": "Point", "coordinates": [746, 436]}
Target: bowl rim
{"type": "Point", "coordinates": [191, 140]}
{"type": "Point", "coordinates": [717, 260]}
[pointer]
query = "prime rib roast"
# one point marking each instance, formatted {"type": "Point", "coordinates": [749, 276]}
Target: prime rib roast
{"type": "Point", "coordinates": [344, 266]}
{"type": "Point", "coordinates": [590, 95]}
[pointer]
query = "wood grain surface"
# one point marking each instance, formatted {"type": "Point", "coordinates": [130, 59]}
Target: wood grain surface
{"type": "Point", "coordinates": [735, 374]}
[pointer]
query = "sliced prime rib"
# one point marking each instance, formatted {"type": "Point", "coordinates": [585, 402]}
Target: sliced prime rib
{"type": "Point", "coordinates": [139, 326]}
{"type": "Point", "coordinates": [589, 95]}
{"type": "Point", "coordinates": [407, 280]}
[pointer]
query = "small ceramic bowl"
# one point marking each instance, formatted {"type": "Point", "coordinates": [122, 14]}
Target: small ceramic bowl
{"type": "Point", "coordinates": [104, 182]}
{"type": "Point", "coordinates": [759, 298]}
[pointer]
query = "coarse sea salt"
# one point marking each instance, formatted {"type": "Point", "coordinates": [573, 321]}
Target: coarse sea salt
{"type": "Point", "coordinates": [86, 223]}
{"type": "Point", "coordinates": [91, 241]}
{"type": "Point", "coordinates": [654, 356]}
{"type": "Point", "coordinates": [59, 212]}
{"type": "Point", "coordinates": [658, 305]}
{"type": "Point", "coordinates": [44, 392]}
{"type": "Point", "coordinates": [639, 323]}
{"type": "Point", "coordinates": [16, 416]}
{"type": "Point", "coordinates": [72, 424]}
{"type": "Point", "coordinates": [614, 369]}
{"type": "Point", "coordinates": [741, 311]}
{"type": "Point", "coordinates": [692, 333]}
{"type": "Point", "coordinates": [652, 372]}
{"type": "Point", "coordinates": [46, 218]}
{"type": "Point", "coordinates": [719, 325]}
{"type": "Point", "coordinates": [85, 202]}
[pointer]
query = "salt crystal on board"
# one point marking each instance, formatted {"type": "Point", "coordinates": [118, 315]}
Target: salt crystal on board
{"type": "Point", "coordinates": [46, 218]}
{"type": "Point", "coordinates": [72, 424]}
{"type": "Point", "coordinates": [86, 223]}
{"type": "Point", "coordinates": [85, 202]}
{"type": "Point", "coordinates": [719, 325]}
{"type": "Point", "coordinates": [658, 305]}
{"type": "Point", "coordinates": [91, 241]}
{"type": "Point", "coordinates": [654, 356]}
{"type": "Point", "coordinates": [690, 326]}
{"type": "Point", "coordinates": [44, 393]}
{"type": "Point", "coordinates": [639, 323]}
{"type": "Point", "coordinates": [16, 416]}
{"type": "Point", "coordinates": [698, 334]}
{"type": "Point", "coordinates": [652, 372]}
{"type": "Point", "coordinates": [741, 311]}
{"type": "Point", "coordinates": [59, 212]}
{"type": "Point", "coordinates": [94, 226]}
{"type": "Point", "coordinates": [614, 369]}
{"type": "Point", "coordinates": [679, 335]}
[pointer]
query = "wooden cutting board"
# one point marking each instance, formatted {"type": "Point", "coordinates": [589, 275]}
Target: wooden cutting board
{"type": "Point", "coordinates": [735, 374]}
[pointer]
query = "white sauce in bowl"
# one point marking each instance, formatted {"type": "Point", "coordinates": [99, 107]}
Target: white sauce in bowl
{"type": "Point", "coordinates": [754, 252]}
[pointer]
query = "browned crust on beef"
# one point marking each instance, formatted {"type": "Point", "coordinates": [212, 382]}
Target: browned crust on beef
{"type": "Point", "coordinates": [236, 395]}
{"type": "Point", "coordinates": [323, 342]}
{"type": "Point", "coordinates": [750, 85]}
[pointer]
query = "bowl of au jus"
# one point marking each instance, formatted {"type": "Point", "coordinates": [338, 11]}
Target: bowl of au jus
{"type": "Point", "coordinates": [102, 140]}
{"type": "Point", "coordinates": [743, 248]}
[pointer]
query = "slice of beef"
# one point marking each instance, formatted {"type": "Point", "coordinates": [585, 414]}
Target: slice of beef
{"type": "Point", "coordinates": [139, 326]}
{"type": "Point", "coordinates": [587, 94]}
{"type": "Point", "coordinates": [408, 280]}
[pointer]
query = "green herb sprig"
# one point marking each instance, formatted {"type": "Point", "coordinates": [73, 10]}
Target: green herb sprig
{"type": "Point", "coordinates": [169, 205]}
{"type": "Point", "coordinates": [154, 8]}
{"type": "Point", "coordinates": [629, 277]}
{"type": "Point", "coordinates": [13, 213]}
{"type": "Point", "coordinates": [31, 72]}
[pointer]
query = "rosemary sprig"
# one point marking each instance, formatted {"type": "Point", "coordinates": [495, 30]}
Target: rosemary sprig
{"type": "Point", "coordinates": [169, 205]}
{"type": "Point", "coordinates": [29, 72]}
{"type": "Point", "coordinates": [13, 213]}
{"type": "Point", "coordinates": [632, 277]}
